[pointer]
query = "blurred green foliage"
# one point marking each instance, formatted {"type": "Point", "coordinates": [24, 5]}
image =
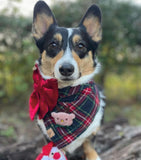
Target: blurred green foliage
{"type": "Point", "coordinates": [119, 52]}
{"type": "Point", "coordinates": [9, 132]}
{"type": "Point", "coordinates": [126, 87]}
{"type": "Point", "coordinates": [16, 57]}
{"type": "Point", "coordinates": [131, 112]}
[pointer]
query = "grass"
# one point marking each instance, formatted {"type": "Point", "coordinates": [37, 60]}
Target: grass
{"type": "Point", "coordinates": [9, 132]}
{"type": "Point", "coordinates": [125, 87]}
{"type": "Point", "coordinates": [132, 113]}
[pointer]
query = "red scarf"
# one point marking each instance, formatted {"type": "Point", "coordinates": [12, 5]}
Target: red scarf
{"type": "Point", "coordinates": [44, 96]}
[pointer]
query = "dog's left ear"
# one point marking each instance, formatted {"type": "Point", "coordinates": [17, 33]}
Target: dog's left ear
{"type": "Point", "coordinates": [43, 19]}
{"type": "Point", "coordinates": [91, 22]}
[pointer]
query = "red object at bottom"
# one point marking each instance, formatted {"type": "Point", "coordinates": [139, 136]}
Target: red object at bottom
{"type": "Point", "coordinates": [49, 152]}
{"type": "Point", "coordinates": [56, 155]}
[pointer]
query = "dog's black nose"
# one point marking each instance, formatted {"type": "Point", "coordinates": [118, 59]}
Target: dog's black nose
{"type": "Point", "coordinates": [66, 69]}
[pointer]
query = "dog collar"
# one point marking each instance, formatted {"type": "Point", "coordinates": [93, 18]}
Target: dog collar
{"type": "Point", "coordinates": [44, 96]}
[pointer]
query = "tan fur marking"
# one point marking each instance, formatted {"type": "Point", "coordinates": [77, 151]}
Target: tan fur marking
{"type": "Point", "coordinates": [90, 153]}
{"type": "Point", "coordinates": [47, 63]}
{"type": "Point", "coordinates": [41, 25]}
{"type": "Point", "coordinates": [86, 64]}
{"type": "Point", "coordinates": [56, 58]}
{"type": "Point", "coordinates": [58, 37]}
{"type": "Point", "coordinates": [94, 133]}
{"type": "Point", "coordinates": [76, 38]}
{"type": "Point", "coordinates": [93, 27]}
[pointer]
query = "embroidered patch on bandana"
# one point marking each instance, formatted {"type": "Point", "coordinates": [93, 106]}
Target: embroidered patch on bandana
{"type": "Point", "coordinates": [50, 133]}
{"type": "Point", "coordinates": [83, 102]}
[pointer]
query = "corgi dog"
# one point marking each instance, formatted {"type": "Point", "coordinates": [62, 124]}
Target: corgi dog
{"type": "Point", "coordinates": [69, 56]}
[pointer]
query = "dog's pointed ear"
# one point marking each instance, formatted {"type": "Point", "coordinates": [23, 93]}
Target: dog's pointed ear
{"type": "Point", "coordinates": [91, 22]}
{"type": "Point", "coordinates": [43, 18]}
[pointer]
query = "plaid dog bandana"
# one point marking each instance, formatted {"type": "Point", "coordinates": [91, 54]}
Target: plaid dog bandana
{"type": "Point", "coordinates": [83, 102]}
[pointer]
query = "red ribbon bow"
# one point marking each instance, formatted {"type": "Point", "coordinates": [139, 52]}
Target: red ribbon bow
{"type": "Point", "coordinates": [44, 96]}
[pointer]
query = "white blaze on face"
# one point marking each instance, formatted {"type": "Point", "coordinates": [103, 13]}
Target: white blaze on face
{"type": "Point", "coordinates": [67, 58]}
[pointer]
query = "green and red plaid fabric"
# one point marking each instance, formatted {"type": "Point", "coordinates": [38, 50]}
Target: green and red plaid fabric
{"type": "Point", "coordinates": [81, 100]}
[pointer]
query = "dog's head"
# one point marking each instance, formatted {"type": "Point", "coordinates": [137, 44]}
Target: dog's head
{"type": "Point", "coordinates": [67, 54]}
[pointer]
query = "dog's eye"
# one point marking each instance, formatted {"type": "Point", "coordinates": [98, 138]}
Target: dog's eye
{"type": "Point", "coordinates": [53, 45]}
{"type": "Point", "coordinates": [53, 48]}
{"type": "Point", "coordinates": [81, 47]}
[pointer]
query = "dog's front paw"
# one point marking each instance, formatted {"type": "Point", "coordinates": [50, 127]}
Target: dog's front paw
{"type": "Point", "coordinates": [98, 158]}
{"type": "Point", "coordinates": [94, 158]}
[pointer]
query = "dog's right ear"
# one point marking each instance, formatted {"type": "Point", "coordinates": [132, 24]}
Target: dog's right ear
{"type": "Point", "coordinates": [43, 19]}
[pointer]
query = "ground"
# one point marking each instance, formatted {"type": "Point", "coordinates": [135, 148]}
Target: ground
{"type": "Point", "coordinates": [20, 137]}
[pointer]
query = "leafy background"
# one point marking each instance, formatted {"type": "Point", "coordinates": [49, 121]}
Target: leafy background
{"type": "Point", "coordinates": [119, 54]}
